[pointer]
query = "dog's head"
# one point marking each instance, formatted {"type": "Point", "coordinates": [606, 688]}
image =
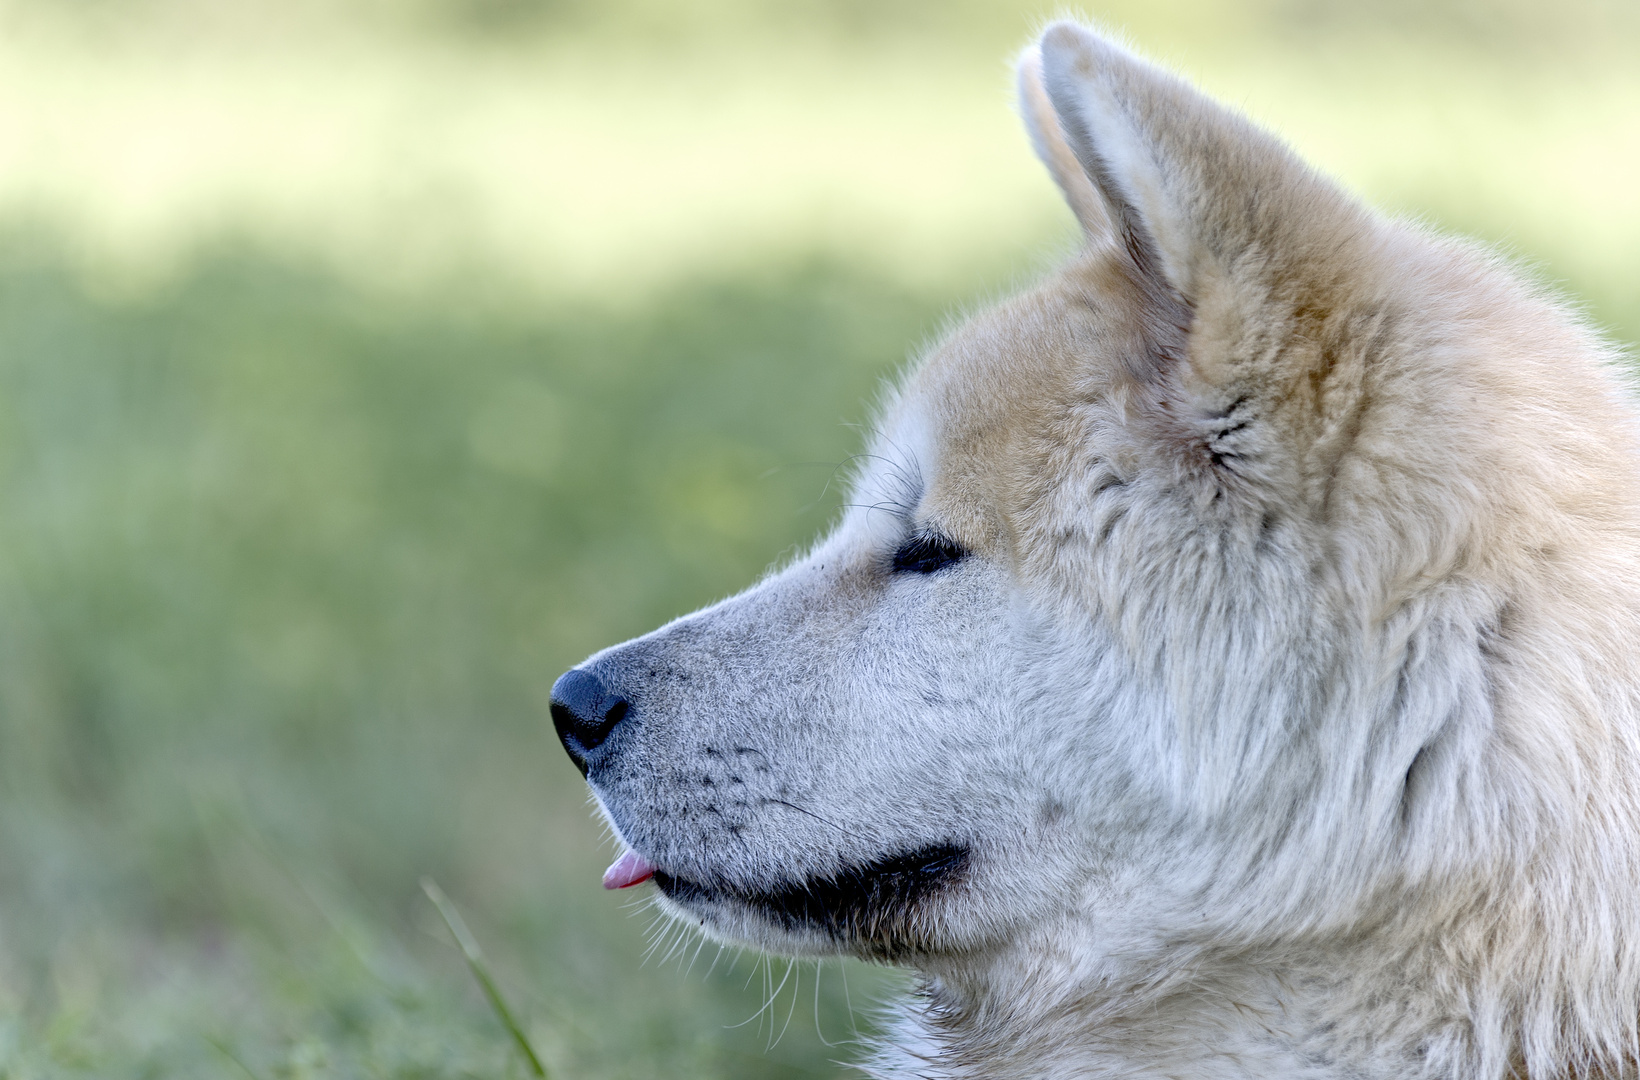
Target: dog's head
{"type": "Point", "coordinates": [1167, 595]}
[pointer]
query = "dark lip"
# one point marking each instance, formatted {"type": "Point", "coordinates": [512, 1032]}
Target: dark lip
{"type": "Point", "coordinates": [879, 906]}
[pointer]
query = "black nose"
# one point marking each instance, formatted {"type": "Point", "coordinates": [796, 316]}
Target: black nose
{"type": "Point", "coordinates": [585, 711]}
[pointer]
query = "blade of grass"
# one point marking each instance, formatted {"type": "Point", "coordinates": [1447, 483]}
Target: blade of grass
{"type": "Point", "coordinates": [222, 1048]}
{"type": "Point", "coordinates": [475, 961]}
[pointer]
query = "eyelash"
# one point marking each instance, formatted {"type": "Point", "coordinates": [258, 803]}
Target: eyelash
{"type": "Point", "coordinates": [927, 553]}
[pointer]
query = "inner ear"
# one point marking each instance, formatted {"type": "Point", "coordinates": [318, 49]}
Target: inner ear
{"type": "Point", "coordinates": [1042, 124]}
{"type": "Point", "coordinates": [1099, 93]}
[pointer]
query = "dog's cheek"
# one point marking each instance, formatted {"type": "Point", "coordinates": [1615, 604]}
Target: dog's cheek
{"type": "Point", "coordinates": [976, 747]}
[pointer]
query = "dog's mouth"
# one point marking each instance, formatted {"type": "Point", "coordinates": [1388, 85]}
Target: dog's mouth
{"type": "Point", "coordinates": [879, 906]}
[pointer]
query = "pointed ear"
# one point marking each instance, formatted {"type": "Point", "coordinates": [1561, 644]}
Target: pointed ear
{"type": "Point", "coordinates": [1120, 115]}
{"type": "Point", "coordinates": [1042, 124]}
{"type": "Point", "coordinates": [1186, 182]}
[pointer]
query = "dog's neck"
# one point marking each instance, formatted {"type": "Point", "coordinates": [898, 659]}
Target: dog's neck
{"type": "Point", "coordinates": [1056, 1014]}
{"type": "Point", "coordinates": [950, 1032]}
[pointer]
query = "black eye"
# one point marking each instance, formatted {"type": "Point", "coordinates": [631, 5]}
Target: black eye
{"type": "Point", "coordinates": [926, 553]}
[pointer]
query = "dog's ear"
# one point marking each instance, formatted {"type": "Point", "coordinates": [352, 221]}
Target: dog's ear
{"type": "Point", "coordinates": [1221, 231]}
{"type": "Point", "coordinates": [1193, 193]}
{"type": "Point", "coordinates": [1042, 123]}
{"type": "Point", "coordinates": [1183, 179]}
{"type": "Point", "coordinates": [1135, 132]}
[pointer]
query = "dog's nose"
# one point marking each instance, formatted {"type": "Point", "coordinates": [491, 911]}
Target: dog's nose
{"type": "Point", "coordinates": [584, 711]}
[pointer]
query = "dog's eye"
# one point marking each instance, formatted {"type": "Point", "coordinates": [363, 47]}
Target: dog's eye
{"type": "Point", "coordinates": [926, 553]}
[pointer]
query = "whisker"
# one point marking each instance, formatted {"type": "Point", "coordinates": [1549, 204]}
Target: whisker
{"type": "Point", "coordinates": [791, 966]}
{"type": "Point", "coordinates": [715, 960]}
{"type": "Point", "coordinates": [810, 813]}
{"type": "Point", "coordinates": [842, 969]}
{"type": "Point", "coordinates": [696, 956]}
{"type": "Point", "coordinates": [819, 966]}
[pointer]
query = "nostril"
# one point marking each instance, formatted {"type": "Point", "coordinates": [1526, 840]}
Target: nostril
{"type": "Point", "coordinates": [585, 710]}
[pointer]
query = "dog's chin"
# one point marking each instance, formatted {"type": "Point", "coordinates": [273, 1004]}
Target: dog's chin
{"type": "Point", "coordinates": [883, 909]}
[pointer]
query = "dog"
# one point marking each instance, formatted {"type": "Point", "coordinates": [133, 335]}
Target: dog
{"type": "Point", "coordinates": [1225, 667]}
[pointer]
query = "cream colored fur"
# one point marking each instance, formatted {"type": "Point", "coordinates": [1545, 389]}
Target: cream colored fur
{"type": "Point", "coordinates": [1287, 701]}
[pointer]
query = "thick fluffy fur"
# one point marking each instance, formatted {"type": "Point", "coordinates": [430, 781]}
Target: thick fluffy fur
{"type": "Point", "coordinates": [1281, 714]}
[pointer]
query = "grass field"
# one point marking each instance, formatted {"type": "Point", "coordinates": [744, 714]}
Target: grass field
{"type": "Point", "coordinates": [363, 366]}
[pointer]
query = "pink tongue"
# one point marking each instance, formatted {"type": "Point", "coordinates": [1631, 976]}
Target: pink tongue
{"type": "Point", "coordinates": [630, 869]}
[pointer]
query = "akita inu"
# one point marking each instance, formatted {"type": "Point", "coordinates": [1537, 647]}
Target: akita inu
{"type": "Point", "coordinates": [1229, 665]}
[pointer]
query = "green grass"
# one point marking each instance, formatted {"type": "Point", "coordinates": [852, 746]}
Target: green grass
{"type": "Point", "coordinates": [474, 954]}
{"type": "Point", "coordinates": [287, 576]}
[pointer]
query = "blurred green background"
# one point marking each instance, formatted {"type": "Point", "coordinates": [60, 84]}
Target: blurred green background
{"type": "Point", "coordinates": [365, 363]}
